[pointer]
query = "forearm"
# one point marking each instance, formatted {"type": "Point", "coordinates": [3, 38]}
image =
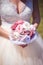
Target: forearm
{"type": "Point", "coordinates": [4, 33]}
{"type": "Point", "coordinates": [36, 20]}
{"type": "Point", "coordinates": [36, 13]}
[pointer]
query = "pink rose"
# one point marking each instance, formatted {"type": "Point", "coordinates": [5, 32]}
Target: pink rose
{"type": "Point", "coordinates": [17, 25]}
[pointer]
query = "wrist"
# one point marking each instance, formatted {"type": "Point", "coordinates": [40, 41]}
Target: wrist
{"type": "Point", "coordinates": [35, 25]}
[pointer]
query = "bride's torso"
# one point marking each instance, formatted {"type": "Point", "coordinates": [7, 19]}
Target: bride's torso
{"type": "Point", "coordinates": [9, 13]}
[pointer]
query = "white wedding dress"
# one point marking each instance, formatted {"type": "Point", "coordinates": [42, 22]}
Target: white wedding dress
{"type": "Point", "coordinates": [11, 54]}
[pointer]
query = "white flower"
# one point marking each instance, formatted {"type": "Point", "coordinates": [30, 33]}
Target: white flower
{"type": "Point", "coordinates": [32, 27]}
{"type": "Point", "coordinates": [26, 25]}
{"type": "Point", "coordinates": [16, 34]}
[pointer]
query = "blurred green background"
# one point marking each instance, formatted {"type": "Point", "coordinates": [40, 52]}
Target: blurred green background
{"type": "Point", "coordinates": [40, 28]}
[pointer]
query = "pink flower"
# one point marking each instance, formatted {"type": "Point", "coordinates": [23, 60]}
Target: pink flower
{"type": "Point", "coordinates": [17, 25]}
{"type": "Point", "coordinates": [19, 28]}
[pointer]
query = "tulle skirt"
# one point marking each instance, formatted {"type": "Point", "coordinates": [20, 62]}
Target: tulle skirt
{"type": "Point", "coordinates": [11, 54]}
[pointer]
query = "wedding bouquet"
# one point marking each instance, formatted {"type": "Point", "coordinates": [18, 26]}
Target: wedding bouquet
{"type": "Point", "coordinates": [21, 33]}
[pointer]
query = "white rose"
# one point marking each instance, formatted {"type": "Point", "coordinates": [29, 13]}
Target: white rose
{"type": "Point", "coordinates": [16, 35]}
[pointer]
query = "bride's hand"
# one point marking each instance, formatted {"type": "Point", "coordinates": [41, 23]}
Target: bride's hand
{"type": "Point", "coordinates": [32, 30]}
{"type": "Point", "coordinates": [14, 35]}
{"type": "Point", "coordinates": [4, 33]}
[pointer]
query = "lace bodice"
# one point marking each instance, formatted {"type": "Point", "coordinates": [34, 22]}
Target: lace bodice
{"type": "Point", "coordinates": [9, 13]}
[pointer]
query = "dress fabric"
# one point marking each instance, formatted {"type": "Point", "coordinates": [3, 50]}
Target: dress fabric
{"type": "Point", "coordinates": [11, 54]}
